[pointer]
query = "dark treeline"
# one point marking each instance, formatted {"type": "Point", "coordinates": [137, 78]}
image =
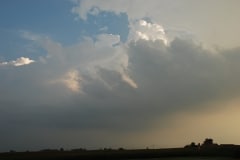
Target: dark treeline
{"type": "Point", "coordinates": [206, 149]}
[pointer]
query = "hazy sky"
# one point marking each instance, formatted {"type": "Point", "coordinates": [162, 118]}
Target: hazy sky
{"type": "Point", "coordinates": [118, 73]}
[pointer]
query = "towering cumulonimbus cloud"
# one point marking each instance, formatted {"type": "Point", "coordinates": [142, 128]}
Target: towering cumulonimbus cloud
{"type": "Point", "coordinates": [103, 91]}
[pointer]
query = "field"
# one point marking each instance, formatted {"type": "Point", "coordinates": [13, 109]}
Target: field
{"type": "Point", "coordinates": [153, 154]}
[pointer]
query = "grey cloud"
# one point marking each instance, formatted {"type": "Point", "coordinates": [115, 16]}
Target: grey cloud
{"type": "Point", "coordinates": [170, 79]}
{"type": "Point", "coordinates": [181, 73]}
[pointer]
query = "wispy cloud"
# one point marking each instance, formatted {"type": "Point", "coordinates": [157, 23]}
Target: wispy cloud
{"type": "Point", "coordinates": [71, 80]}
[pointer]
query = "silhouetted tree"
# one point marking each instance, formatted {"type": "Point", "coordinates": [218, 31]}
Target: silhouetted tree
{"type": "Point", "coordinates": [192, 145]}
{"type": "Point", "coordinates": [120, 149]}
{"type": "Point", "coordinates": [12, 151]}
{"type": "Point", "coordinates": [208, 141]}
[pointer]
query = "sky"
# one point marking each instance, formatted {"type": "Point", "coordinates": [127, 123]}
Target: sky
{"type": "Point", "coordinates": [133, 74]}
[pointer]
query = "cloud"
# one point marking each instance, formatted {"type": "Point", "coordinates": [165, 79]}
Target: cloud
{"type": "Point", "coordinates": [148, 31]}
{"type": "Point", "coordinates": [103, 29]}
{"type": "Point", "coordinates": [71, 80]}
{"type": "Point", "coordinates": [207, 26]}
{"type": "Point", "coordinates": [131, 76]}
{"type": "Point", "coordinates": [83, 8]}
{"type": "Point", "coordinates": [109, 87]}
{"type": "Point", "coordinates": [18, 62]}
{"type": "Point", "coordinates": [86, 58]}
{"type": "Point", "coordinates": [104, 92]}
{"type": "Point", "coordinates": [30, 36]}
{"type": "Point", "coordinates": [129, 81]}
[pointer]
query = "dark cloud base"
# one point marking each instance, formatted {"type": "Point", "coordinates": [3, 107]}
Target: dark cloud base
{"type": "Point", "coordinates": [170, 79]}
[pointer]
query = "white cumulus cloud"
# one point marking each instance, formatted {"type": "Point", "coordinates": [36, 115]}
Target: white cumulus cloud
{"type": "Point", "coordinates": [18, 62]}
{"type": "Point", "coordinates": [148, 31]}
